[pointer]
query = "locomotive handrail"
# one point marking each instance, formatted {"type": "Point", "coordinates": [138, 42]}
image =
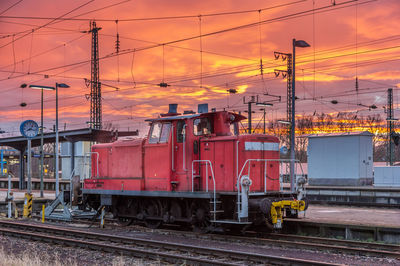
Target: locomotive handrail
{"type": "Point", "coordinates": [184, 147]}
{"type": "Point", "coordinates": [247, 162]}
{"type": "Point", "coordinates": [208, 162]}
{"type": "Point", "coordinates": [97, 161]}
{"type": "Point", "coordinates": [172, 149]}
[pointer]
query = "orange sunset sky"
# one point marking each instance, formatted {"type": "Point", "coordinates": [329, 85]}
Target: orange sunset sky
{"type": "Point", "coordinates": [201, 49]}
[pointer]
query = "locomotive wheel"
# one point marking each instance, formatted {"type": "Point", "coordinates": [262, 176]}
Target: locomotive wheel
{"type": "Point", "coordinates": [124, 211]}
{"type": "Point", "coordinates": [175, 210]}
{"type": "Point", "coordinates": [153, 209]}
{"type": "Point", "coordinates": [124, 221]}
{"type": "Point", "coordinates": [200, 218]}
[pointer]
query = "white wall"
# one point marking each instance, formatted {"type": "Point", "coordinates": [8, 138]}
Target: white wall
{"type": "Point", "coordinates": [339, 160]}
{"type": "Point", "coordinates": [387, 176]}
{"type": "Point", "coordinates": [82, 166]}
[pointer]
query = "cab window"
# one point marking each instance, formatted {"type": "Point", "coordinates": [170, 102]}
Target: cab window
{"type": "Point", "coordinates": [234, 128]}
{"type": "Point", "coordinates": [179, 131]}
{"type": "Point", "coordinates": [202, 126]}
{"type": "Point", "coordinates": [165, 132]}
{"type": "Point", "coordinates": [159, 132]}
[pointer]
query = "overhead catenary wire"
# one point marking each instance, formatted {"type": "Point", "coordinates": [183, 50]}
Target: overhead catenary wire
{"type": "Point", "coordinates": [48, 23]}
{"type": "Point", "coordinates": [321, 9]}
{"type": "Point", "coordinates": [155, 18]}
{"type": "Point", "coordinates": [189, 77]}
{"type": "Point", "coordinates": [10, 7]}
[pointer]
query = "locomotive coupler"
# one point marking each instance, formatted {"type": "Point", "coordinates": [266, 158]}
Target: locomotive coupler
{"type": "Point", "coordinates": [277, 208]}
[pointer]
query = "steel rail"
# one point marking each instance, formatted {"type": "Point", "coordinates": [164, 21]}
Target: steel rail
{"type": "Point", "coordinates": [316, 243]}
{"type": "Point", "coordinates": [289, 240]}
{"type": "Point", "coordinates": [153, 254]}
{"type": "Point", "coordinates": [333, 241]}
{"type": "Point", "coordinates": [208, 256]}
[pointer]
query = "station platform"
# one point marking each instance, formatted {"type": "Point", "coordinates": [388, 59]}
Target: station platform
{"type": "Point", "coordinates": [19, 197]}
{"type": "Point", "coordinates": [20, 194]}
{"type": "Point", "coordinates": [49, 183]}
{"type": "Point", "coordinates": [351, 223]}
{"type": "Point", "coordinates": [372, 196]}
{"type": "Point", "coordinates": [355, 196]}
{"type": "Point", "coordinates": [353, 215]}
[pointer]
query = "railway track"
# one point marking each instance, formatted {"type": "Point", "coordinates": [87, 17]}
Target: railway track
{"type": "Point", "coordinates": [370, 248]}
{"type": "Point", "coordinates": [295, 241]}
{"type": "Point", "coordinates": [172, 252]}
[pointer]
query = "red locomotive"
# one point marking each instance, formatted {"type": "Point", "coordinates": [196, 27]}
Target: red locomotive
{"type": "Point", "coordinates": [193, 169]}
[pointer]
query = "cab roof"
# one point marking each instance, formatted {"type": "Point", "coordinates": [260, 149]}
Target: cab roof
{"type": "Point", "coordinates": [238, 117]}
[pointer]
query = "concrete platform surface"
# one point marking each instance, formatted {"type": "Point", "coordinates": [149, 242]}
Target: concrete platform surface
{"type": "Point", "coordinates": [353, 215]}
{"type": "Point", "coordinates": [20, 194]}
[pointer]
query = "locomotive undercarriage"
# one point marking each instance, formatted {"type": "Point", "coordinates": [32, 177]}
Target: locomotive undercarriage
{"type": "Point", "coordinates": [197, 213]}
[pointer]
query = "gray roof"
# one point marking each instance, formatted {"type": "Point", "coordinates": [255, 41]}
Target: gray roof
{"type": "Point", "coordinates": [341, 134]}
{"type": "Point", "coordinates": [177, 117]}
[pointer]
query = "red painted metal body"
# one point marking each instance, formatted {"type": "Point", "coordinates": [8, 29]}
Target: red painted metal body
{"type": "Point", "coordinates": [163, 160]}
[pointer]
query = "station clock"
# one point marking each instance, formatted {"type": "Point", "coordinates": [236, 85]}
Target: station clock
{"type": "Point", "coordinates": [29, 129]}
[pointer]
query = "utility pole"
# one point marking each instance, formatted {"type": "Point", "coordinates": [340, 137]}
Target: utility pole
{"type": "Point", "coordinates": [254, 99]}
{"type": "Point", "coordinates": [249, 103]}
{"type": "Point", "coordinates": [289, 94]}
{"type": "Point", "coordinates": [41, 148]}
{"type": "Point", "coordinates": [390, 119]}
{"type": "Point", "coordinates": [95, 85]}
{"type": "Point", "coordinates": [291, 103]}
{"type": "Point", "coordinates": [264, 112]}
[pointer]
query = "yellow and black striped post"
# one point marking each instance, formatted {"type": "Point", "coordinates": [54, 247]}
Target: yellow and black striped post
{"type": "Point", "coordinates": [28, 206]}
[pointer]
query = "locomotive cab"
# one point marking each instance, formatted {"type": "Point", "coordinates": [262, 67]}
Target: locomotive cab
{"type": "Point", "coordinates": [192, 168]}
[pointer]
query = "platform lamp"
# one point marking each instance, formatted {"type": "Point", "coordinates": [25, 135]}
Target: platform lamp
{"type": "Point", "coordinates": [301, 44]}
{"type": "Point", "coordinates": [42, 88]}
{"type": "Point", "coordinates": [58, 85]}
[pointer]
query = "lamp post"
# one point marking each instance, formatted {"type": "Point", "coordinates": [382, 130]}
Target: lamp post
{"type": "Point", "coordinates": [41, 133]}
{"type": "Point", "coordinates": [58, 85]}
{"type": "Point", "coordinates": [301, 44]}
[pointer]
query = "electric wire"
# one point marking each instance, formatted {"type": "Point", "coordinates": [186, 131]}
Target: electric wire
{"type": "Point", "coordinates": [221, 31]}
{"type": "Point", "coordinates": [48, 23]}
{"type": "Point", "coordinates": [10, 7]}
{"type": "Point", "coordinates": [154, 18]}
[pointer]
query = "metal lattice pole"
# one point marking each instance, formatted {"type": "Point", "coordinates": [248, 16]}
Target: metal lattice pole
{"type": "Point", "coordinates": [289, 107]}
{"type": "Point", "coordinates": [390, 118]}
{"type": "Point", "coordinates": [95, 85]}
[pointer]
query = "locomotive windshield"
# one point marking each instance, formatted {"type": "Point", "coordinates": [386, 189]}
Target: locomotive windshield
{"type": "Point", "coordinates": [202, 126]}
{"type": "Point", "coordinates": [159, 132]}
